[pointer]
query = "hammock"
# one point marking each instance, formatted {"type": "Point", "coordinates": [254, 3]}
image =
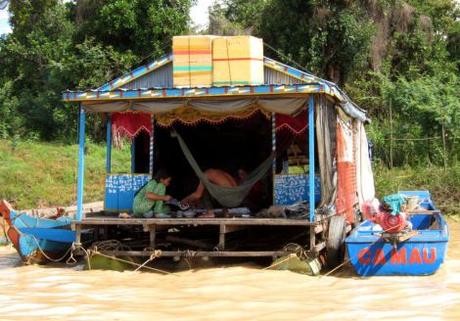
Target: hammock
{"type": "Point", "coordinates": [226, 196]}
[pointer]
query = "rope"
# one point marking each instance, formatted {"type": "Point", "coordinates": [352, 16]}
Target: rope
{"type": "Point", "coordinates": [228, 62]}
{"type": "Point", "coordinates": [45, 255]}
{"type": "Point", "coordinates": [290, 256]}
{"type": "Point", "coordinates": [153, 256]}
{"type": "Point", "coordinates": [132, 263]}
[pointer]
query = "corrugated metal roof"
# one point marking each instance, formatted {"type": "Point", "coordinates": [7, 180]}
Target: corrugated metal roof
{"type": "Point", "coordinates": [275, 77]}
{"type": "Point", "coordinates": [162, 77]}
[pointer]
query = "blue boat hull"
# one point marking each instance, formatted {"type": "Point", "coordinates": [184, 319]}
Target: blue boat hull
{"type": "Point", "coordinates": [37, 240]}
{"type": "Point", "coordinates": [422, 254]}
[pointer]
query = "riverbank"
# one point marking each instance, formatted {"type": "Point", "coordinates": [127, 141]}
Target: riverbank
{"type": "Point", "coordinates": [38, 174]}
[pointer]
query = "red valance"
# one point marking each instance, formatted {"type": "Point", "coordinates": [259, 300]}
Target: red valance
{"type": "Point", "coordinates": [131, 124]}
{"type": "Point", "coordinates": [296, 125]}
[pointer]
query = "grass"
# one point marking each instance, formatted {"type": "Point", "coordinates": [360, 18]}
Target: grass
{"type": "Point", "coordinates": [38, 174]}
{"type": "Point", "coordinates": [444, 184]}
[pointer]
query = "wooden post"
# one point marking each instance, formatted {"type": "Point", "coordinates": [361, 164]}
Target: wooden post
{"type": "Point", "coordinates": [312, 237]}
{"type": "Point", "coordinates": [152, 231]}
{"type": "Point", "coordinates": [311, 156]}
{"type": "Point", "coordinates": [81, 164]}
{"type": "Point", "coordinates": [133, 156]}
{"type": "Point", "coordinates": [222, 232]}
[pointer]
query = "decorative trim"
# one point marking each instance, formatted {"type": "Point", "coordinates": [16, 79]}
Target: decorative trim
{"type": "Point", "coordinates": [224, 91]}
{"type": "Point", "coordinates": [136, 73]}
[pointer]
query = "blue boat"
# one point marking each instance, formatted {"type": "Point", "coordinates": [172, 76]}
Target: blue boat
{"type": "Point", "coordinates": [372, 252]}
{"type": "Point", "coordinates": [37, 240]}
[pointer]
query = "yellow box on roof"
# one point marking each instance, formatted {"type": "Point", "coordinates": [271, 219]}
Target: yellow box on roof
{"type": "Point", "coordinates": [192, 61]}
{"type": "Point", "coordinates": [237, 61]}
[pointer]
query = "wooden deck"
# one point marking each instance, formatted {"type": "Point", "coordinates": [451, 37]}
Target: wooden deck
{"type": "Point", "coordinates": [224, 226]}
{"type": "Point", "coordinates": [101, 220]}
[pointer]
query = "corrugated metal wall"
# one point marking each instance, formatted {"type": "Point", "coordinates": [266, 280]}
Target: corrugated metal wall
{"type": "Point", "coordinates": [274, 77]}
{"type": "Point", "coordinates": [162, 77]}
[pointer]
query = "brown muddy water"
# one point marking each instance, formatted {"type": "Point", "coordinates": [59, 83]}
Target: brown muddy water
{"type": "Point", "coordinates": [226, 293]}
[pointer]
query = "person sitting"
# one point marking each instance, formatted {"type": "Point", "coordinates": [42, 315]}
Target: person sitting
{"type": "Point", "coordinates": [215, 176]}
{"type": "Point", "coordinates": [149, 200]}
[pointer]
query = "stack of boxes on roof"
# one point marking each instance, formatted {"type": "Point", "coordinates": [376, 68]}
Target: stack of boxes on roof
{"type": "Point", "coordinates": [204, 61]}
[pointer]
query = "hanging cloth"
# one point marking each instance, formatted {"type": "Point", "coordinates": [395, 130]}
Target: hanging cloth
{"type": "Point", "coordinates": [226, 196]}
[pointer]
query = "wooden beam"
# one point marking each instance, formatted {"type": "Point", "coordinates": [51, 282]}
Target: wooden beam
{"type": "Point", "coordinates": [194, 221]}
{"type": "Point", "coordinates": [198, 253]}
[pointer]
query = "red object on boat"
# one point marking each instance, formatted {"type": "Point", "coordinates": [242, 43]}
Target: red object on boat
{"type": "Point", "coordinates": [131, 124]}
{"type": "Point", "coordinates": [391, 223]}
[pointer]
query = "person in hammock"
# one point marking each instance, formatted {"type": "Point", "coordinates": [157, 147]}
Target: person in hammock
{"type": "Point", "coordinates": [150, 199]}
{"type": "Point", "coordinates": [215, 176]}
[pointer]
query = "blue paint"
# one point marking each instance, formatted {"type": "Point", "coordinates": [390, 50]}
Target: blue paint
{"type": "Point", "coordinates": [120, 190]}
{"type": "Point", "coordinates": [108, 162]}
{"type": "Point", "coordinates": [52, 236]}
{"type": "Point", "coordinates": [243, 91]}
{"type": "Point", "coordinates": [81, 164]}
{"type": "Point", "coordinates": [311, 156]}
{"type": "Point", "coordinates": [291, 189]}
{"type": "Point", "coordinates": [420, 255]}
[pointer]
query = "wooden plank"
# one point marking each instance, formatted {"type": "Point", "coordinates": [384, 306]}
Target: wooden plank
{"type": "Point", "coordinates": [192, 221]}
{"type": "Point", "coordinates": [198, 253]}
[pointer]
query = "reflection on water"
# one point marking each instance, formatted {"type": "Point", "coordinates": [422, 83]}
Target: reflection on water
{"type": "Point", "coordinates": [225, 293]}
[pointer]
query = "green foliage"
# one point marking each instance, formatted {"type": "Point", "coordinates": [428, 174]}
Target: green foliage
{"type": "Point", "coordinates": [399, 53]}
{"type": "Point", "coordinates": [36, 174]}
{"type": "Point", "coordinates": [56, 46]}
{"type": "Point", "coordinates": [443, 183]}
{"type": "Point", "coordinates": [402, 54]}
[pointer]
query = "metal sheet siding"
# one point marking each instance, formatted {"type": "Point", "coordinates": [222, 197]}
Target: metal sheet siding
{"type": "Point", "coordinates": [162, 77]}
{"type": "Point", "coordinates": [275, 77]}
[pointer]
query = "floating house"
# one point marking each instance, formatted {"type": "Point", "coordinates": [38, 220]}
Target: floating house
{"type": "Point", "coordinates": [319, 170]}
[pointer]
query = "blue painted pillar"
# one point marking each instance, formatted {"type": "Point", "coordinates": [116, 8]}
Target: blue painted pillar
{"type": "Point", "coordinates": [108, 161]}
{"type": "Point", "coordinates": [311, 155]}
{"type": "Point", "coordinates": [81, 164]}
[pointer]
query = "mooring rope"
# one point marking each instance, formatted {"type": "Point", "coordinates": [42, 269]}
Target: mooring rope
{"type": "Point", "coordinates": [153, 256]}
{"type": "Point", "coordinates": [47, 256]}
{"type": "Point", "coordinates": [132, 263]}
{"type": "Point", "coordinates": [290, 256]}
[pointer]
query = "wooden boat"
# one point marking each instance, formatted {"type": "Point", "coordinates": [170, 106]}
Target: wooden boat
{"type": "Point", "coordinates": [37, 240]}
{"type": "Point", "coordinates": [419, 251]}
